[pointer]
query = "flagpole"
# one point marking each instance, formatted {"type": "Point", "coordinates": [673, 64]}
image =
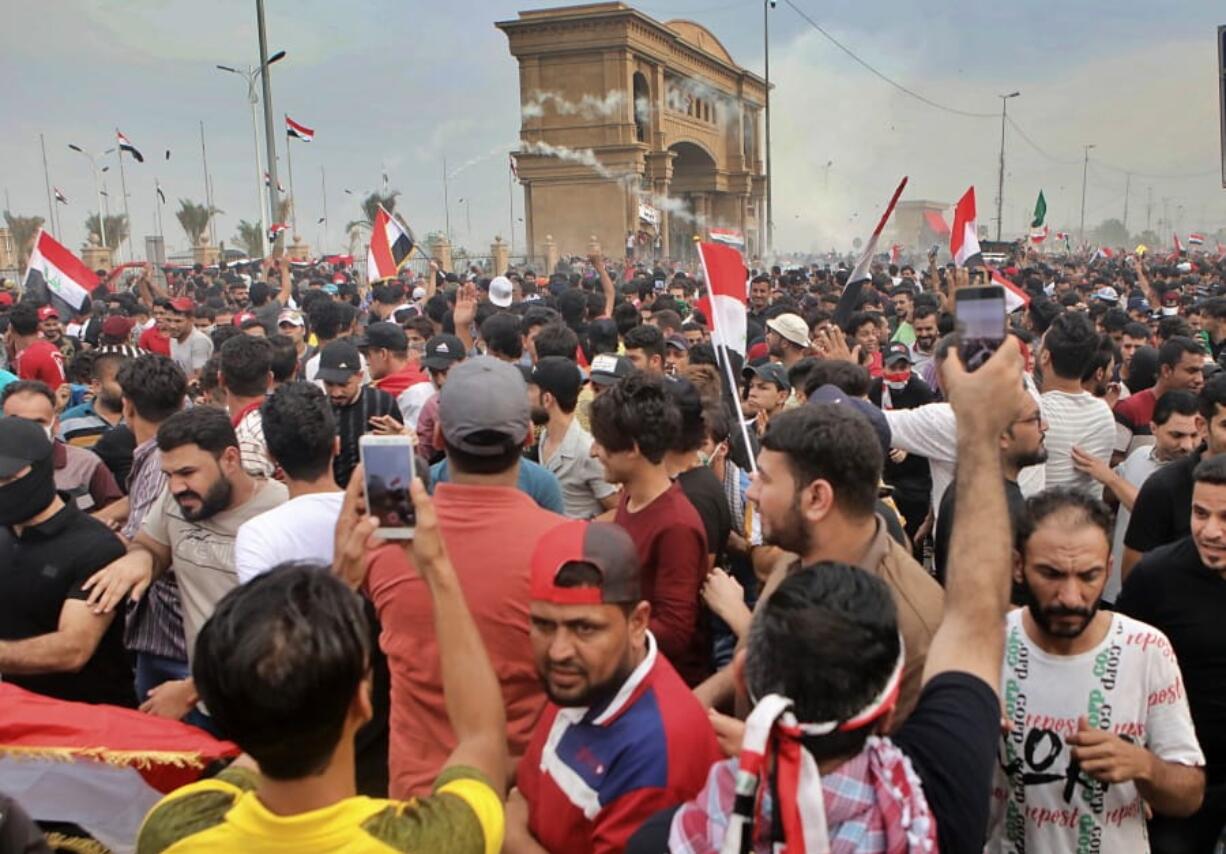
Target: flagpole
{"type": "Point", "coordinates": [59, 227]}
{"type": "Point", "coordinates": [208, 185]}
{"type": "Point", "coordinates": [47, 178]}
{"type": "Point", "coordinates": [446, 202]}
{"type": "Point", "coordinates": [323, 185]}
{"type": "Point", "coordinates": [123, 188]}
{"type": "Point", "coordinates": [293, 199]}
{"type": "Point", "coordinates": [511, 206]}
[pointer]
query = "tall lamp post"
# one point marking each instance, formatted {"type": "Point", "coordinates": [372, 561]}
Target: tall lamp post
{"type": "Point", "coordinates": [1085, 168]}
{"type": "Point", "coordinates": [93, 165]}
{"type": "Point", "coordinates": [270, 138]}
{"type": "Point", "coordinates": [251, 75]}
{"type": "Point", "coordinates": [1000, 183]}
{"type": "Point", "coordinates": [767, 5]}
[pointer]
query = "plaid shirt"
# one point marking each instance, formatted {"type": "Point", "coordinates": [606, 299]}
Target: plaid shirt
{"type": "Point", "coordinates": [153, 625]}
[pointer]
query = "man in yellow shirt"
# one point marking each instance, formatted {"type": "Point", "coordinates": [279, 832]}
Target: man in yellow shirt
{"type": "Point", "coordinates": [283, 666]}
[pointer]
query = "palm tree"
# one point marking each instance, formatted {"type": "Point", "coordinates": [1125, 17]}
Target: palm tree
{"type": "Point", "coordinates": [194, 219]}
{"type": "Point", "coordinates": [22, 229]}
{"type": "Point", "coordinates": [116, 228]}
{"type": "Point", "coordinates": [250, 237]}
{"type": "Point", "coordinates": [370, 208]}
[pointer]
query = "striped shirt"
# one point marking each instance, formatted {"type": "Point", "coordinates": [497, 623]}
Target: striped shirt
{"type": "Point", "coordinates": [353, 421]}
{"type": "Point", "coordinates": [257, 462]}
{"type": "Point", "coordinates": [155, 624]}
{"type": "Point", "coordinates": [1080, 420]}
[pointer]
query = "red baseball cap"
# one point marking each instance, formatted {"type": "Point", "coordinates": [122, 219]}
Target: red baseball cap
{"type": "Point", "coordinates": [6, 298]}
{"type": "Point", "coordinates": [48, 311]}
{"type": "Point", "coordinates": [242, 317]}
{"type": "Point", "coordinates": [183, 305]}
{"type": "Point", "coordinates": [605, 547]}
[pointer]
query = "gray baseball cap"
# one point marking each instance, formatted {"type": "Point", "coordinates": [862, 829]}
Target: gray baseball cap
{"type": "Point", "coordinates": [483, 402]}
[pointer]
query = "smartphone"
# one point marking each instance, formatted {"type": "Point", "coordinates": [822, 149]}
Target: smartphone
{"type": "Point", "coordinates": [980, 316]}
{"type": "Point", "coordinates": [388, 469]}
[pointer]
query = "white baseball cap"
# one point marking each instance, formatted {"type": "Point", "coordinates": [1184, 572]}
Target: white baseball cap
{"type": "Point", "coordinates": [501, 292]}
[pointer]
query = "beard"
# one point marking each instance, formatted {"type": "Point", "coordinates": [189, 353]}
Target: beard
{"type": "Point", "coordinates": [112, 402]}
{"type": "Point", "coordinates": [1031, 458]}
{"type": "Point", "coordinates": [540, 416]}
{"type": "Point", "coordinates": [791, 534]}
{"type": "Point", "coordinates": [1044, 617]}
{"type": "Point", "coordinates": [213, 502]}
{"type": "Point", "coordinates": [587, 694]}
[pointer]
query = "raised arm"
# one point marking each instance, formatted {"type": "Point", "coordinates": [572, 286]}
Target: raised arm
{"type": "Point", "coordinates": [972, 632]}
{"type": "Point", "coordinates": [606, 283]}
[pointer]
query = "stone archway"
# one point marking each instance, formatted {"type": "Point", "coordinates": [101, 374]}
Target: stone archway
{"type": "Point", "coordinates": [694, 180]}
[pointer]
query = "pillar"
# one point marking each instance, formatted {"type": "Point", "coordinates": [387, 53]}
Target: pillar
{"type": "Point", "coordinates": [551, 255]}
{"type": "Point", "coordinates": [499, 254]}
{"type": "Point", "coordinates": [440, 250]}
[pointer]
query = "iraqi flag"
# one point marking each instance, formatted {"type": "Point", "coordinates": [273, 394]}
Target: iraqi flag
{"type": "Point", "coordinates": [391, 243]}
{"type": "Point", "coordinates": [1015, 298]}
{"type": "Point", "coordinates": [936, 223]}
{"type": "Point", "coordinates": [275, 229]}
{"type": "Point", "coordinates": [860, 273]}
{"type": "Point", "coordinates": [124, 145]}
{"type": "Point", "coordinates": [1038, 235]}
{"type": "Point", "coordinates": [297, 131]}
{"type": "Point", "coordinates": [964, 235]}
{"type": "Point", "coordinates": [1178, 245]}
{"type": "Point", "coordinates": [59, 276]}
{"type": "Point", "coordinates": [727, 236]}
{"type": "Point", "coordinates": [1195, 239]}
{"type": "Point", "coordinates": [723, 268]}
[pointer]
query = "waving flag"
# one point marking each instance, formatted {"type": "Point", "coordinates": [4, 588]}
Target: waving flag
{"type": "Point", "coordinates": [124, 145]}
{"type": "Point", "coordinates": [63, 277]}
{"type": "Point", "coordinates": [1015, 298]}
{"type": "Point", "coordinates": [723, 268]}
{"type": "Point", "coordinates": [391, 243]}
{"type": "Point", "coordinates": [60, 197]}
{"type": "Point", "coordinates": [860, 274]}
{"type": "Point", "coordinates": [727, 236]}
{"type": "Point", "coordinates": [1196, 239]}
{"type": "Point", "coordinates": [161, 196]}
{"type": "Point", "coordinates": [514, 168]}
{"type": "Point", "coordinates": [964, 236]}
{"type": "Point", "coordinates": [936, 223]}
{"type": "Point", "coordinates": [297, 131]}
{"type": "Point", "coordinates": [275, 229]}
{"type": "Point", "coordinates": [1038, 235]}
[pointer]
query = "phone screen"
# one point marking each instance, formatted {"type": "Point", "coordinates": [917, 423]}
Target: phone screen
{"type": "Point", "coordinates": [981, 323]}
{"type": "Point", "coordinates": [388, 470]}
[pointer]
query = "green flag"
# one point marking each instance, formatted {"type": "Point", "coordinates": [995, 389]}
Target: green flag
{"type": "Point", "coordinates": [1040, 211]}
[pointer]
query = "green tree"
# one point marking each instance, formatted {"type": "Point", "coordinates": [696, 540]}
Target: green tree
{"type": "Point", "coordinates": [116, 228]}
{"type": "Point", "coordinates": [370, 208]}
{"type": "Point", "coordinates": [22, 229]}
{"type": "Point", "coordinates": [250, 237]}
{"type": "Point", "coordinates": [194, 219]}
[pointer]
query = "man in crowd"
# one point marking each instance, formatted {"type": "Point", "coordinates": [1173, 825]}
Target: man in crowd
{"type": "Point", "coordinates": [644, 347]}
{"type": "Point", "coordinates": [83, 425]}
{"type": "Point", "coordinates": [80, 474]}
{"type": "Point", "coordinates": [189, 347]}
{"type": "Point", "coordinates": [614, 700]}
{"type": "Point", "coordinates": [1176, 426]}
{"type": "Point", "coordinates": [34, 358]}
{"type": "Point", "coordinates": [1177, 588]}
{"type": "Point", "coordinates": [387, 354]}
{"type": "Point", "coordinates": [1163, 505]}
{"type": "Point", "coordinates": [191, 527]}
{"type": "Point", "coordinates": [633, 426]}
{"type": "Point", "coordinates": [50, 641]}
{"type": "Point", "coordinates": [903, 298]}
{"type": "Point", "coordinates": [442, 353]}
{"type": "Point", "coordinates": [1073, 415]}
{"type": "Point", "coordinates": [53, 332]}
{"type": "Point", "coordinates": [300, 431]}
{"type": "Point", "coordinates": [927, 331]}
{"type": "Point", "coordinates": [1181, 363]}
{"type": "Point", "coordinates": [565, 447]}
{"type": "Point", "coordinates": [1099, 727]}
{"type": "Point", "coordinates": [768, 392]}
{"type": "Point", "coordinates": [787, 338]}
{"type": "Point", "coordinates": [900, 387]}
{"type": "Point", "coordinates": [484, 416]}
{"type": "Point", "coordinates": [297, 723]}
{"type": "Point", "coordinates": [246, 376]}
{"type": "Point", "coordinates": [359, 408]}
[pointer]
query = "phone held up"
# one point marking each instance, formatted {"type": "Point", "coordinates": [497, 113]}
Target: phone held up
{"type": "Point", "coordinates": [388, 467]}
{"type": "Point", "coordinates": [980, 316]}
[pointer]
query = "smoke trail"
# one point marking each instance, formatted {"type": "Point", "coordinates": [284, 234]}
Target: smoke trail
{"type": "Point", "coordinates": [589, 106]}
{"type": "Point", "coordinates": [493, 152]}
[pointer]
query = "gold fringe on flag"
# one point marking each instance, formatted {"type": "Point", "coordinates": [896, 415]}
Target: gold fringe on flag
{"type": "Point", "coordinates": [139, 759]}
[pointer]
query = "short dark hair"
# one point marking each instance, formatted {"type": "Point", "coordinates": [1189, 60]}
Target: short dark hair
{"type": "Point", "coordinates": [626, 316]}
{"type": "Point", "coordinates": [154, 385]}
{"type": "Point", "coordinates": [1175, 402]}
{"type": "Point", "coordinates": [502, 336]}
{"type": "Point", "coordinates": [278, 664]}
{"type": "Point", "coordinates": [1211, 470]}
{"type": "Point", "coordinates": [509, 453]}
{"type": "Point", "coordinates": [831, 442]}
{"type": "Point", "coordinates": [27, 387]}
{"type": "Point", "coordinates": [647, 338]}
{"type": "Point", "coordinates": [923, 309]}
{"type": "Point", "coordinates": [799, 372]}
{"type": "Point", "coordinates": [1071, 342]}
{"type": "Point", "coordinates": [1115, 320]}
{"type": "Point", "coordinates": [556, 339]}
{"type": "Point", "coordinates": [572, 305]}
{"type": "Point", "coordinates": [859, 319]}
{"type": "Point", "coordinates": [23, 317]}
{"type": "Point", "coordinates": [853, 379]}
{"type": "Point", "coordinates": [1173, 349]}
{"type": "Point", "coordinates": [283, 357]}
{"type": "Point", "coordinates": [684, 395]}
{"type": "Point", "coordinates": [1213, 395]}
{"type": "Point", "coordinates": [1169, 327]}
{"type": "Point", "coordinates": [299, 429]}
{"type": "Point", "coordinates": [325, 317]}
{"type": "Point", "coordinates": [1079, 507]}
{"type": "Point", "coordinates": [667, 319]}
{"type": "Point", "coordinates": [245, 364]}
{"type": "Point", "coordinates": [636, 412]}
{"type": "Point", "coordinates": [827, 639]}
{"type": "Point", "coordinates": [204, 426]}
{"type": "Point", "coordinates": [1137, 330]}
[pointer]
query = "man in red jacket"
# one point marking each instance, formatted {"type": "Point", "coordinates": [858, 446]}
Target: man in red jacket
{"type": "Point", "coordinates": [622, 736]}
{"type": "Point", "coordinates": [35, 358]}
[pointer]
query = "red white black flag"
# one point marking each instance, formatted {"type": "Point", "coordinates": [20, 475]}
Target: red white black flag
{"type": "Point", "coordinates": [124, 145]}
{"type": "Point", "coordinates": [297, 131]}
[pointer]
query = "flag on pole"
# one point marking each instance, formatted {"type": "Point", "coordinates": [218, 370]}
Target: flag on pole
{"type": "Point", "coordinates": [1015, 298]}
{"type": "Point", "coordinates": [1102, 252]}
{"type": "Point", "coordinates": [297, 131]}
{"type": "Point", "coordinates": [964, 236]}
{"type": "Point", "coordinates": [1196, 239]}
{"type": "Point", "coordinates": [124, 145]}
{"type": "Point", "coordinates": [727, 236]}
{"type": "Point", "coordinates": [1178, 245]}
{"type": "Point", "coordinates": [391, 243]}
{"type": "Point", "coordinates": [1038, 228]}
{"type": "Point", "coordinates": [895, 253]}
{"type": "Point", "coordinates": [161, 196]}
{"type": "Point", "coordinates": [60, 197]}
{"type": "Point", "coordinates": [723, 268]}
{"type": "Point", "coordinates": [936, 223]}
{"type": "Point", "coordinates": [275, 229]}
{"type": "Point", "coordinates": [57, 274]}
{"type": "Point", "coordinates": [860, 273]}
{"type": "Point", "coordinates": [514, 168]}
{"type": "Point", "coordinates": [1038, 235]}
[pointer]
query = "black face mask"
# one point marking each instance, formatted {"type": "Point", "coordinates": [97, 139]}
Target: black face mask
{"type": "Point", "coordinates": [28, 496]}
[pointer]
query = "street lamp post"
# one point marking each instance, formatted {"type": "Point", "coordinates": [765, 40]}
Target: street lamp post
{"type": "Point", "coordinates": [1000, 183]}
{"type": "Point", "coordinates": [767, 5]}
{"type": "Point", "coordinates": [93, 165]}
{"type": "Point", "coordinates": [1085, 168]}
{"type": "Point", "coordinates": [270, 138]}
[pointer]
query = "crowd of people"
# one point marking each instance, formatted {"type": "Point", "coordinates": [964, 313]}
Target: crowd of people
{"type": "Point", "coordinates": [826, 591]}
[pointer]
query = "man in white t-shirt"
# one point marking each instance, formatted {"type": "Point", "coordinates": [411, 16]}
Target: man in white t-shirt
{"type": "Point", "coordinates": [1073, 415]}
{"type": "Point", "coordinates": [300, 431]}
{"type": "Point", "coordinates": [1099, 729]}
{"type": "Point", "coordinates": [189, 347]}
{"type": "Point", "coordinates": [1176, 428]}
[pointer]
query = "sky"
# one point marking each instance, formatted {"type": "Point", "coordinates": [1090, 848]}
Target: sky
{"type": "Point", "coordinates": [397, 87]}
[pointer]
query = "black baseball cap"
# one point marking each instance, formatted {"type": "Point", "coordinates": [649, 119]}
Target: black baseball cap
{"type": "Point", "coordinates": [22, 443]}
{"type": "Point", "coordinates": [338, 361]}
{"type": "Point", "coordinates": [557, 375]}
{"type": "Point", "coordinates": [897, 351]}
{"type": "Point", "coordinates": [771, 372]}
{"type": "Point", "coordinates": [384, 335]}
{"type": "Point", "coordinates": [607, 369]}
{"type": "Point", "coordinates": [442, 351]}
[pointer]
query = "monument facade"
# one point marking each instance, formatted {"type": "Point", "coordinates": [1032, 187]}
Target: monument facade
{"type": "Point", "coordinates": [633, 128]}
